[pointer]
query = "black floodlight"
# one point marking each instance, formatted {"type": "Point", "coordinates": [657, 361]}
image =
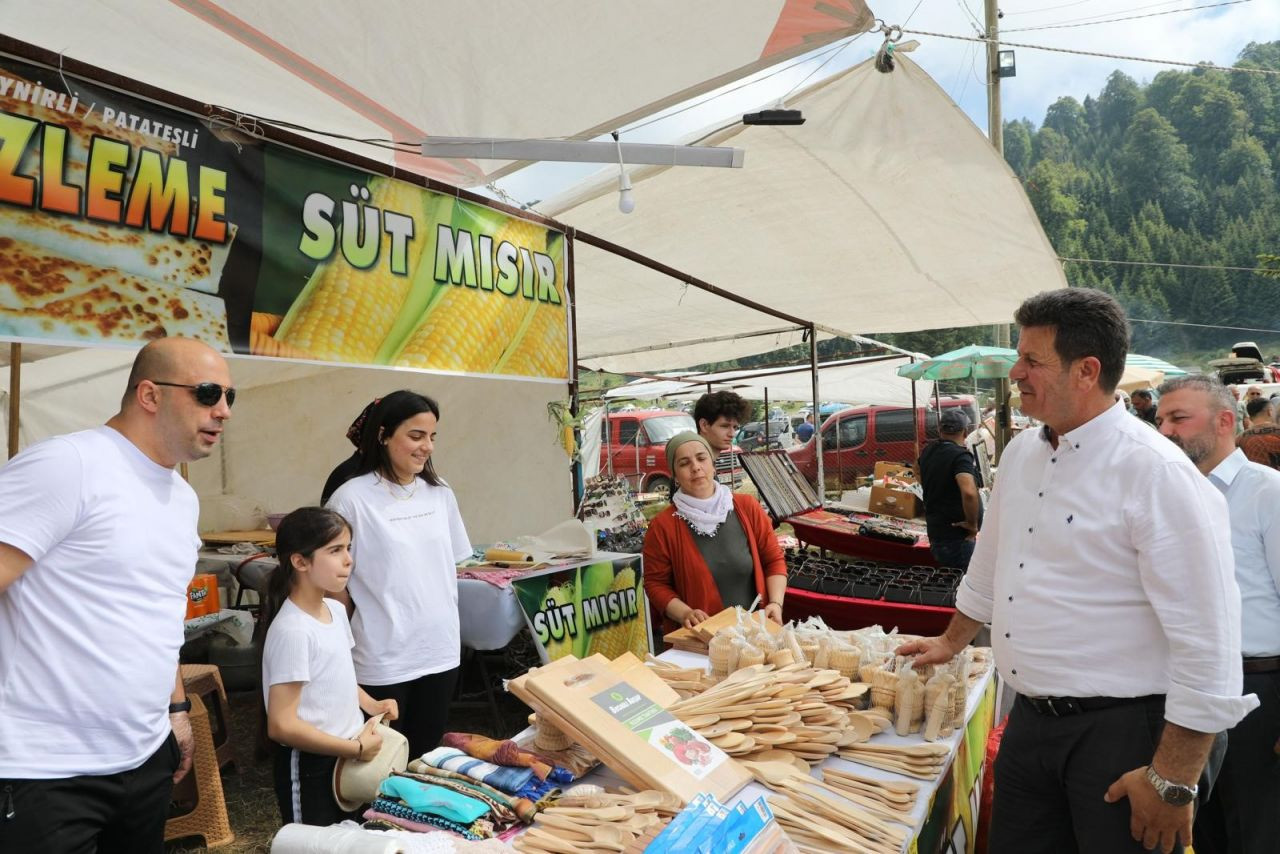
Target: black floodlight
{"type": "Point", "coordinates": [773, 117]}
{"type": "Point", "coordinates": [1006, 66]}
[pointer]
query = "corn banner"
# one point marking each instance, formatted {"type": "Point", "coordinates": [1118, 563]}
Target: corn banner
{"type": "Point", "coordinates": [598, 607]}
{"type": "Point", "coordinates": [122, 221]}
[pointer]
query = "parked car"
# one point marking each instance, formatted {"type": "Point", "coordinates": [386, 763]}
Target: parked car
{"type": "Point", "coordinates": [751, 436]}
{"type": "Point", "coordinates": [855, 439]}
{"type": "Point", "coordinates": [1244, 365]}
{"type": "Point", "coordinates": [633, 445]}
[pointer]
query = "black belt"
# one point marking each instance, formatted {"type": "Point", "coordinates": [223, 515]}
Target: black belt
{"type": "Point", "coordinates": [1269, 664]}
{"type": "Point", "coordinates": [1061, 707]}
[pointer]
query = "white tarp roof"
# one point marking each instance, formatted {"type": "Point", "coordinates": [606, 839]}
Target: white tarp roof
{"type": "Point", "coordinates": [862, 381]}
{"type": "Point", "coordinates": [402, 69]}
{"type": "Point", "coordinates": [887, 211]}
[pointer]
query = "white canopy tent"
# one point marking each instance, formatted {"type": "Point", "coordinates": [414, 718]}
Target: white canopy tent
{"type": "Point", "coordinates": [400, 69]}
{"type": "Point", "coordinates": [887, 211]}
{"type": "Point", "coordinates": [861, 380]}
{"type": "Point", "coordinates": [288, 427]}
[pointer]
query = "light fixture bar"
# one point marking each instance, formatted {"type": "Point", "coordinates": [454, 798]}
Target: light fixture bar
{"type": "Point", "coordinates": [581, 151]}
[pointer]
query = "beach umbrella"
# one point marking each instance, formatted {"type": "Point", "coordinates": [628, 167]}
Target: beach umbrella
{"type": "Point", "coordinates": [974, 361]}
{"type": "Point", "coordinates": [1136, 360]}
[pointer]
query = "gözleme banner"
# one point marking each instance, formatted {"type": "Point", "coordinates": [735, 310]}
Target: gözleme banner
{"type": "Point", "coordinates": [121, 222]}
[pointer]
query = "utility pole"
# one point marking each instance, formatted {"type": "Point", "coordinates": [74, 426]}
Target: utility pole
{"type": "Point", "coordinates": [995, 132]}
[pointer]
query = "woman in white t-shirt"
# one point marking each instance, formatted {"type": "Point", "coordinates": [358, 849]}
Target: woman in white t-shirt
{"type": "Point", "coordinates": [309, 685]}
{"type": "Point", "coordinates": [408, 538]}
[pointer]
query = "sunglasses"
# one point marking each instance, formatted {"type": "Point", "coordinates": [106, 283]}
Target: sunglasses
{"type": "Point", "coordinates": [206, 394]}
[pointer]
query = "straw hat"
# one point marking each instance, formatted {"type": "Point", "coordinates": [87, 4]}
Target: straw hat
{"type": "Point", "coordinates": [356, 783]}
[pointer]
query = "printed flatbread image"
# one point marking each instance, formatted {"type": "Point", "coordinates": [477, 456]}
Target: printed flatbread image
{"type": "Point", "coordinates": [179, 261]}
{"type": "Point", "coordinates": [45, 295]}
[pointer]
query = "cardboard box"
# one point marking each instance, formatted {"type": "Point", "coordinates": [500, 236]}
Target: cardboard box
{"type": "Point", "coordinates": [894, 470]}
{"type": "Point", "coordinates": [893, 502]}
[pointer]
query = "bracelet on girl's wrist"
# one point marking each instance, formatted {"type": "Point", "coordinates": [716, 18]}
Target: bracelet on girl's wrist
{"type": "Point", "coordinates": [359, 749]}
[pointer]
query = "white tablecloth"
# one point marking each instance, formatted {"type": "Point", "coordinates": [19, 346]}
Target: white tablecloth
{"type": "Point", "coordinates": [490, 616]}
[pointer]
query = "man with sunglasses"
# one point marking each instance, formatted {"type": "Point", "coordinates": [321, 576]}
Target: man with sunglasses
{"type": "Point", "coordinates": [97, 546]}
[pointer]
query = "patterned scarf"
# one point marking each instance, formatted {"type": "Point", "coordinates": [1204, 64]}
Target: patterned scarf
{"type": "Point", "coordinates": [704, 515]}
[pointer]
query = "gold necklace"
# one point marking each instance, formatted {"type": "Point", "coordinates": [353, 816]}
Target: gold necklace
{"type": "Point", "coordinates": [406, 492]}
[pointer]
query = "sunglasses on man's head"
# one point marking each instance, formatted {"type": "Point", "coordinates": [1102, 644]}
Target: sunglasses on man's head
{"type": "Point", "coordinates": [206, 394]}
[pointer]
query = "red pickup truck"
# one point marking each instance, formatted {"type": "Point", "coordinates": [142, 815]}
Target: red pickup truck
{"type": "Point", "coordinates": [854, 440]}
{"type": "Point", "coordinates": [634, 445]}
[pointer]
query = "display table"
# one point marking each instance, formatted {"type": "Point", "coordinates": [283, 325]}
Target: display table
{"type": "Point", "coordinates": [946, 811]}
{"type": "Point", "coordinates": [847, 612]}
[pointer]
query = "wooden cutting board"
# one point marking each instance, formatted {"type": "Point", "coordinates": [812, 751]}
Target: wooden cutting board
{"type": "Point", "coordinates": [265, 537]}
{"type": "Point", "coordinates": [607, 711]}
{"type": "Point", "coordinates": [697, 638]}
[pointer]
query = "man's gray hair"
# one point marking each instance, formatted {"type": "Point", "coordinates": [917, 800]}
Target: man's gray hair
{"type": "Point", "coordinates": [1220, 396]}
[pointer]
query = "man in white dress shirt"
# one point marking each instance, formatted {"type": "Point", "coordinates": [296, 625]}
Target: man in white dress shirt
{"type": "Point", "coordinates": [1242, 815]}
{"type": "Point", "coordinates": [1105, 570]}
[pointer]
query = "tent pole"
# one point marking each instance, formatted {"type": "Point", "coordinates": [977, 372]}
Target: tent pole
{"type": "Point", "coordinates": [575, 461]}
{"type": "Point", "coordinates": [817, 414]}
{"type": "Point", "coordinates": [15, 394]}
{"type": "Point", "coordinates": [766, 417]}
{"type": "Point", "coordinates": [915, 420]}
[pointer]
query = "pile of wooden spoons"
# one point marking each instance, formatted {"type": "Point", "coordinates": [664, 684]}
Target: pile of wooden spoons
{"type": "Point", "coordinates": [597, 822]}
{"type": "Point", "coordinates": [884, 805]}
{"type": "Point", "coordinates": [923, 761]}
{"type": "Point", "coordinates": [796, 709]}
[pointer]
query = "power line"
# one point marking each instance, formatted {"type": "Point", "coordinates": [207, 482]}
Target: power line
{"type": "Point", "coordinates": [1123, 11]}
{"type": "Point", "coordinates": [1203, 325]}
{"type": "Point", "coordinates": [1125, 57]}
{"type": "Point", "coordinates": [1176, 266]}
{"type": "Point", "coordinates": [1050, 8]}
{"type": "Point", "coordinates": [1088, 23]}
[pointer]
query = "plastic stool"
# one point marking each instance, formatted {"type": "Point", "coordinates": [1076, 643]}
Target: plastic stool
{"type": "Point", "coordinates": [209, 817]}
{"type": "Point", "coordinates": [205, 681]}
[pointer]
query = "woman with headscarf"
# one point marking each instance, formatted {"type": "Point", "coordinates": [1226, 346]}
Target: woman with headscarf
{"type": "Point", "coordinates": [711, 549]}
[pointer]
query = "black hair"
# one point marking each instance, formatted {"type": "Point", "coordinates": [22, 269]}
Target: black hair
{"type": "Point", "coordinates": [387, 416]}
{"type": "Point", "coordinates": [1086, 322]}
{"type": "Point", "coordinates": [300, 533]}
{"type": "Point", "coordinates": [1256, 405]}
{"type": "Point", "coordinates": [714, 404]}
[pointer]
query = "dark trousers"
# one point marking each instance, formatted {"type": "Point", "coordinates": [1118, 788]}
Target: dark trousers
{"type": "Point", "coordinates": [1242, 815]}
{"type": "Point", "coordinates": [1051, 774]}
{"type": "Point", "coordinates": [123, 812]}
{"type": "Point", "coordinates": [424, 708]}
{"type": "Point", "coordinates": [304, 787]}
{"type": "Point", "coordinates": [952, 552]}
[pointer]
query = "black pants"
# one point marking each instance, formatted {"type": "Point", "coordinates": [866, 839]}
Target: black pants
{"type": "Point", "coordinates": [1051, 774]}
{"type": "Point", "coordinates": [1242, 815]}
{"type": "Point", "coordinates": [123, 812]}
{"type": "Point", "coordinates": [304, 787]}
{"type": "Point", "coordinates": [424, 708]}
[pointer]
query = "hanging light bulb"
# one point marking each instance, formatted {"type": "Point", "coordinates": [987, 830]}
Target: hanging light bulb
{"type": "Point", "coordinates": [626, 202]}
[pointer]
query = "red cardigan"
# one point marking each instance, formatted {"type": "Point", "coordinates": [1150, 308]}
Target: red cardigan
{"type": "Point", "coordinates": [674, 568]}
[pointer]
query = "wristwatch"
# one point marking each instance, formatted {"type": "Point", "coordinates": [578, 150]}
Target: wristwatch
{"type": "Point", "coordinates": [1171, 793]}
{"type": "Point", "coordinates": [183, 706]}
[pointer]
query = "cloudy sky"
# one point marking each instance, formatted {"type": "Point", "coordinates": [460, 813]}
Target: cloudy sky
{"type": "Point", "coordinates": [1186, 34]}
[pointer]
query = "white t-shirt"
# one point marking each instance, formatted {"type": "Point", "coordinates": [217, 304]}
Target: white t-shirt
{"type": "Point", "coordinates": [300, 648]}
{"type": "Point", "coordinates": [89, 634]}
{"type": "Point", "coordinates": [404, 581]}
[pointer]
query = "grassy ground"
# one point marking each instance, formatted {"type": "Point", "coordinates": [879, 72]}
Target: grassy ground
{"type": "Point", "coordinates": [251, 802]}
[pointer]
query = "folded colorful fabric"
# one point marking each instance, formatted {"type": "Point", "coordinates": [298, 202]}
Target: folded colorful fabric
{"type": "Point", "coordinates": [524, 808]}
{"type": "Point", "coordinates": [507, 753]}
{"type": "Point", "coordinates": [399, 814]}
{"type": "Point", "coordinates": [434, 800]}
{"type": "Point", "coordinates": [506, 779]}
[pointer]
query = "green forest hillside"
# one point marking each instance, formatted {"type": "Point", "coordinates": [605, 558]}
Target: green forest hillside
{"type": "Point", "coordinates": [1182, 170]}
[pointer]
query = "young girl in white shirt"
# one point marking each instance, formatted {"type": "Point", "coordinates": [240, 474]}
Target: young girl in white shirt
{"type": "Point", "coordinates": [409, 537]}
{"type": "Point", "coordinates": [309, 685]}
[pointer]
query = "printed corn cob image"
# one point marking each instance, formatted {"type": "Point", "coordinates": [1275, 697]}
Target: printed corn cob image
{"type": "Point", "coordinates": [344, 314]}
{"type": "Point", "coordinates": [626, 636]}
{"type": "Point", "coordinates": [466, 329]}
